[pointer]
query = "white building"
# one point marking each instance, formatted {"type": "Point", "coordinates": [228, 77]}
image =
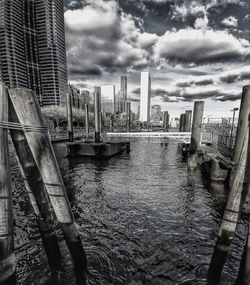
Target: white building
{"type": "Point", "coordinates": [108, 102]}
{"type": "Point", "coordinates": [145, 97]}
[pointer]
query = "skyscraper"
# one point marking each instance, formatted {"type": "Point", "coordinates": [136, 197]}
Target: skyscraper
{"type": "Point", "coordinates": [156, 112]}
{"type": "Point", "coordinates": [108, 103]}
{"type": "Point", "coordinates": [32, 48]}
{"type": "Point", "coordinates": [145, 97]}
{"type": "Point", "coordinates": [123, 91]}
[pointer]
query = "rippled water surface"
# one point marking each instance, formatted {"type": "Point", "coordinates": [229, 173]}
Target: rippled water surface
{"type": "Point", "coordinates": [143, 219]}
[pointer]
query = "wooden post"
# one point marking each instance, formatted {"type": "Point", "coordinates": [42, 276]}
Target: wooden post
{"type": "Point", "coordinates": [70, 116]}
{"type": "Point", "coordinates": [242, 127]}
{"type": "Point", "coordinates": [7, 256]}
{"type": "Point", "coordinates": [188, 119]}
{"type": "Point", "coordinates": [37, 193]}
{"type": "Point", "coordinates": [97, 95]}
{"type": "Point", "coordinates": [128, 107]}
{"type": "Point", "coordinates": [86, 107]}
{"type": "Point", "coordinates": [197, 124]}
{"type": "Point", "coordinates": [165, 121]}
{"type": "Point", "coordinates": [244, 272]}
{"type": "Point", "coordinates": [230, 219]}
{"type": "Point", "coordinates": [29, 113]}
{"type": "Point", "coordinates": [182, 122]}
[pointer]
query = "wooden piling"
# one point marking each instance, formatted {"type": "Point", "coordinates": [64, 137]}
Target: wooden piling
{"type": "Point", "coordinates": [37, 193]}
{"type": "Point", "coordinates": [241, 128]}
{"type": "Point", "coordinates": [182, 122]}
{"type": "Point", "coordinates": [188, 119]}
{"type": "Point", "coordinates": [244, 272]}
{"type": "Point", "coordinates": [197, 125]}
{"type": "Point", "coordinates": [70, 116]}
{"type": "Point", "coordinates": [7, 256]}
{"type": "Point", "coordinates": [128, 107]}
{"type": "Point", "coordinates": [86, 108]}
{"type": "Point", "coordinates": [29, 113]}
{"type": "Point", "coordinates": [229, 221]}
{"type": "Point", "coordinates": [165, 121]}
{"type": "Point", "coordinates": [97, 98]}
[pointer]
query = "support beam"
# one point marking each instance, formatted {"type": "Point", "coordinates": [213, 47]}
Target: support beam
{"type": "Point", "coordinates": [197, 125]}
{"type": "Point", "coordinates": [7, 256]}
{"type": "Point", "coordinates": [97, 98]}
{"type": "Point", "coordinates": [29, 113]}
{"type": "Point", "coordinates": [70, 116]}
{"type": "Point", "coordinates": [36, 191]}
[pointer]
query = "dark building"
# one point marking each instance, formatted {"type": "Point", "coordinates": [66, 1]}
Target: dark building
{"type": "Point", "coordinates": [32, 48]}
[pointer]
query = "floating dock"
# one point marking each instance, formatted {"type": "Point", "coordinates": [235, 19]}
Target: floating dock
{"type": "Point", "coordinates": [97, 149]}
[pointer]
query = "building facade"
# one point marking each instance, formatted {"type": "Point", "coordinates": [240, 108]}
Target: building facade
{"type": "Point", "coordinates": [32, 48]}
{"type": "Point", "coordinates": [145, 97]}
{"type": "Point", "coordinates": [108, 102]}
{"type": "Point", "coordinates": [156, 113]}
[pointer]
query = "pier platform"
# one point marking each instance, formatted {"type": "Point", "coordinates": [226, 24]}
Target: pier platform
{"type": "Point", "coordinates": [99, 150]}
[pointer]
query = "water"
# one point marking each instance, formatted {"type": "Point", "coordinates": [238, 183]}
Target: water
{"type": "Point", "coordinates": [143, 219]}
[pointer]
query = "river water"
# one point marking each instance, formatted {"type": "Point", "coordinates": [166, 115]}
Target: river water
{"type": "Point", "coordinates": [143, 219]}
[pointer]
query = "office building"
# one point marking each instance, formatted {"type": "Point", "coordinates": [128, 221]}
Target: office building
{"type": "Point", "coordinates": [108, 102]}
{"type": "Point", "coordinates": [156, 113]}
{"type": "Point", "coordinates": [145, 97]}
{"type": "Point", "coordinates": [32, 48]}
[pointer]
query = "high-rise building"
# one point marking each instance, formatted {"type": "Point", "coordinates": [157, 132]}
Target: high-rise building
{"type": "Point", "coordinates": [32, 48]}
{"type": "Point", "coordinates": [145, 97]}
{"type": "Point", "coordinates": [108, 103]}
{"type": "Point", "coordinates": [123, 92]}
{"type": "Point", "coordinates": [156, 113]}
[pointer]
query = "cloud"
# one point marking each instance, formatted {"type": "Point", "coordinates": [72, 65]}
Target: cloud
{"type": "Point", "coordinates": [199, 46]}
{"type": "Point", "coordinates": [101, 38]}
{"type": "Point", "coordinates": [230, 22]}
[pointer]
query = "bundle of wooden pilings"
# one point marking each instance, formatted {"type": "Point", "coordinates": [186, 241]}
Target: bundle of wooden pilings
{"type": "Point", "coordinates": [239, 197]}
{"type": "Point", "coordinates": [21, 115]}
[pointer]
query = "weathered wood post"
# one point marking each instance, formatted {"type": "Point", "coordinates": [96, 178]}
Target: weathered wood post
{"type": "Point", "coordinates": [196, 134]}
{"type": "Point", "coordinates": [86, 108]}
{"type": "Point", "coordinates": [165, 121]}
{"type": "Point", "coordinates": [7, 256]}
{"type": "Point", "coordinates": [242, 126]}
{"type": "Point", "coordinates": [244, 272]}
{"type": "Point", "coordinates": [188, 119]}
{"type": "Point", "coordinates": [128, 107]}
{"type": "Point", "coordinates": [37, 193]}
{"type": "Point", "coordinates": [29, 114]}
{"type": "Point", "coordinates": [182, 122]}
{"type": "Point", "coordinates": [230, 219]}
{"type": "Point", "coordinates": [97, 98]}
{"type": "Point", "coordinates": [70, 116]}
{"type": "Point", "coordinates": [197, 125]}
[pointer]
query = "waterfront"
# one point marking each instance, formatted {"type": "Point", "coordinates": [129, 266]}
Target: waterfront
{"type": "Point", "coordinates": [143, 219]}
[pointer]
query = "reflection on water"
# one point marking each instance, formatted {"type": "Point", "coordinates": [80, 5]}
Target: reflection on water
{"type": "Point", "coordinates": [143, 219]}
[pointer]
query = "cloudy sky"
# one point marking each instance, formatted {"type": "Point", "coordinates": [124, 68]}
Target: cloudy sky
{"type": "Point", "coordinates": [194, 50]}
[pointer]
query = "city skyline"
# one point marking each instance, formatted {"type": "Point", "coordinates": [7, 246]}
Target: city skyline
{"type": "Point", "coordinates": [106, 39]}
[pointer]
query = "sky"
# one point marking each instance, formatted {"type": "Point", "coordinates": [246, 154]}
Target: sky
{"type": "Point", "coordinates": [194, 50]}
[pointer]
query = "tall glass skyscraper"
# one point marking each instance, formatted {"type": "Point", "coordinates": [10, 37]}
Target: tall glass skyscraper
{"type": "Point", "coordinates": [32, 48]}
{"type": "Point", "coordinates": [145, 97]}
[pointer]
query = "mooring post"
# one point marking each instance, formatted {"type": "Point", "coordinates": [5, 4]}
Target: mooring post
{"type": "Point", "coordinates": [188, 119]}
{"type": "Point", "coordinates": [242, 126]}
{"type": "Point", "coordinates": [70, 116]}
{"type": "Point", "coordinates": [196, 134]}
{"type": "Point", "coordinates": [128, 107]}
{"type": "Point", "coordinates": [36, 191]}
{"type": "Point", "coordinates": [244, 272]}
{"type": "Point", "coordinates": [182, 122]}
{"type": "Point", "coordinates": [29, 114]}
{"type": "Point", "coordinates": [97, 97]}
{"type": "Point", "coordinates": [229, 220]}
{"type": "Point", "coordinates": [165, 121]}
{"type": "Point", "coordinates": [86, 108]}
{"type": "Point", "coordinates": [197, 125]}
{"type": "Point", "coordinates": [7, 256]}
